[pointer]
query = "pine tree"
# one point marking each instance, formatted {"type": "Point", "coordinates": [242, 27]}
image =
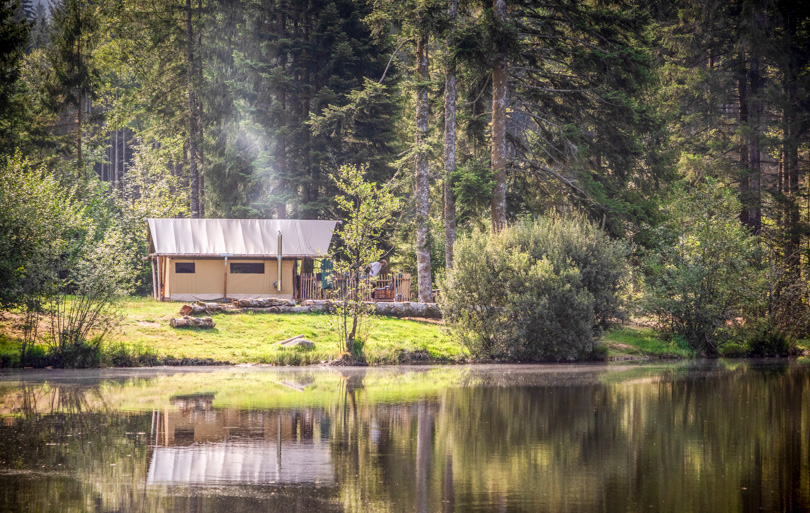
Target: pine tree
{"type": "Point", "coordinates": [74, 31]}
{"type": "Point", "coordinates": [14, 33]}
{"type": "Point", "coordinates": [449, 155]}
{"type": "Point", "coordinates": [500, 91]}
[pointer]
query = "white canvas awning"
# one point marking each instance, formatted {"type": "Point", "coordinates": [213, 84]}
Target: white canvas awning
{"type": "Point", "coordinates": [239, 237]}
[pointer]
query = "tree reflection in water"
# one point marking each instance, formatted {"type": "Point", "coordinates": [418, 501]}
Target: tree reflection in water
{"type": "Point", "coordinates": [694, 437]}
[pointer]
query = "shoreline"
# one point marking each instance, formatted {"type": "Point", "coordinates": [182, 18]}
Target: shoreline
{"type": "Point", "coordinates": [144, 338]}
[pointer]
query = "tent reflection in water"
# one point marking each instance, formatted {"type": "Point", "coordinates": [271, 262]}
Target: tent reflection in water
{"type": "Point", "coordinates": [198, 444]}
{"type": "Point", "coordinates": [212, 259]}
{"type": "Point", "coordinates": [241, 463]}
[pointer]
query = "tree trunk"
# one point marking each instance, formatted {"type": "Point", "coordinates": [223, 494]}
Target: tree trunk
{"type": "Point", "coordinates": [79, 171]}
{"type": "Point", "coordinates": [281, 140]}
{"type": "Point", "coordinates": [422, 170]}
{"type": "Point", "coordinates": [742, 89]}
{"type": "Point", "coordinates": [124, 152]}
{"type": "Point", "coordinates": [754, 200]}
{"type": "Point", "coordinates": [500, 75]}
{"type": "Point", "coordinates": [450, 140]}
{"type": "Point", "coordinates": [424, 446]}
{"type": "Point", "coordinates": [791, 153]}
{"type": "Point", "coordinates": [199, 126]}
{"type": "Point", "coordinates": [194, 184]}
{"type": "Point", "coordinates": [115, 181]}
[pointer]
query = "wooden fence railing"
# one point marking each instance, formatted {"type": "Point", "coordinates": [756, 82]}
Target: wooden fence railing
{"type": "Point", "coordinates": [385, 287]}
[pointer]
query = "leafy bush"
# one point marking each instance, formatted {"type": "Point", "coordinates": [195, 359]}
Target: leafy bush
{"type": "Point", "coordinates": [61, 257]}
{"type": "Point", "coordinates": [78, 354]}
{"type": "Point", "coordinates": [37, 216]}
{"type": "Point", "coordinates": [9, 357]}
{"type": "Point", "coordinates": [538, 290]}
{"type": "Point", "coordinates": [706, 271]}
{"type": "Point", "coordinates": [733, 350]}
{"type": "Point", "coordinates": [86, 306]}
{"type": "Point", "coordinates": [126, 355]}
{"type": "Point", "coordinates": [12, 357]}
{"type": "Point", "coordinates": [790, 305]}
{"type": "Point", "coordinates": [767, 340]}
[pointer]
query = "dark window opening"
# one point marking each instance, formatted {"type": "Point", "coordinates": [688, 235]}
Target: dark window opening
{"type": "Point", "coordinates": [247, 268]}
{"type": "Point", "coordinates": [184, 267]}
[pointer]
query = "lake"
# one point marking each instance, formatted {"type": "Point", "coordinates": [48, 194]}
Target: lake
{"type": "Point", "coordinates": [692, 436]}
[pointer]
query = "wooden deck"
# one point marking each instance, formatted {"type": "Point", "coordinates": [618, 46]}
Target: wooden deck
{"type": "Point", "coordinates": [394, 287]}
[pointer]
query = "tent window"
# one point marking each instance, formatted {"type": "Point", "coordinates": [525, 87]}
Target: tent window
{"type": "Point", "coordinates": [247, 268]}
{"type": "Point", "coordinates": [184, 267]}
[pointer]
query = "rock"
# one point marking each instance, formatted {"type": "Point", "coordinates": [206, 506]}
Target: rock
{"type": "Point", "coordinates": [299, 342]}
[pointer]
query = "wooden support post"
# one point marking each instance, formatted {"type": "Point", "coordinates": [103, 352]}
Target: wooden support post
{"type": "Point", "coordinates": [296, 283]}
{"type": "Point", "coordinates": [160, 278]}
{"type": "Point", "coordinates": [225, 286]}
{"type": "Point", "coordinates": [167, 286]}
{"type": "Point", "coordinates": [279, 253]}
{"type": "Point", "coordinates": [154, 279]}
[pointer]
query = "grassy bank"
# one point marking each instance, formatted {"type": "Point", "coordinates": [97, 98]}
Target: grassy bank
{"type": "Point", "coordinates": [633, 342]}
{"type": "Point", "coordinates": [144, 337]}
{"type": "Point", "coordinates": [253, 337]}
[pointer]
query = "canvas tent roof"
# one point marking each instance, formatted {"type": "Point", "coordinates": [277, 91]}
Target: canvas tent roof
{"type": "Point", "coordinates": [239, 237]}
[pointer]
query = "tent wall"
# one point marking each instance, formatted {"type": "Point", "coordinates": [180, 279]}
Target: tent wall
{"type": "Point", "coordinates": [208, 282]}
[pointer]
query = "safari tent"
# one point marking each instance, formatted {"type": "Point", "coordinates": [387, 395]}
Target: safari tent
{"type": "Point", "coordinates": [212, 259]}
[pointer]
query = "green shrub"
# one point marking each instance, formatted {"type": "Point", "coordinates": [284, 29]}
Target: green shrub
{"type": "Point", "coordinates": [11, 354]}
{"type": "Point", "coordinates": [125, 355]}
{"type": "Point", "coordinates": [9, 357]}
{"type": "Point", "coordinates": [538, 290]}
{"type": "Point", "coordinates": [36, 356]}
{"type": "Point", "coordinates": [706, 271]}
{"type": "Point", "coordinates": [80, 354]}
{"type": "Point", "coordinates": [767, 340]}
{"type": "Point", "coordinates": [789, 306]}
{"type": "Point", "coordinates": [599, 353]}
{"type": "Point", "coordinates": [733, 350]}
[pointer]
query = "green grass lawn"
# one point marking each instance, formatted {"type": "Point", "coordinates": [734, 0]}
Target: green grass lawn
{"type": "Point", "coordinates": [144, 337]}
{"type": "Point", "coordinates": [630, 342]}
{"type": "Point", "coordinates": [252, 337]}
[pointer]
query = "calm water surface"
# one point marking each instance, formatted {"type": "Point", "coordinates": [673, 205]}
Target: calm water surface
{"type": "Point", "coordinates": [708, 436]}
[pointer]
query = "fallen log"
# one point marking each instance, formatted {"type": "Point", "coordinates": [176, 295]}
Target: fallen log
{"type": "Point", "coordinates": [283, 309]}
{"type": "Point", "coordinates": [189, 322]}
{"type": "Point", "coordinates": [192, 310]}
{"type": "Point", "coordinates": [216, 307]}
{"type": "Point", "coordinates": [390, 309]}
{"type": "Point", "coordinates": [263, 302]}
{"type": "Point", "coordinates": [209, 308]}
{"type": "Point", "coordinates": [408, 309]}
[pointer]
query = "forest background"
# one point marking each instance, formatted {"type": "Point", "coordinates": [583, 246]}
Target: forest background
{"type": "Point", "coordinates": [475, 114]}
